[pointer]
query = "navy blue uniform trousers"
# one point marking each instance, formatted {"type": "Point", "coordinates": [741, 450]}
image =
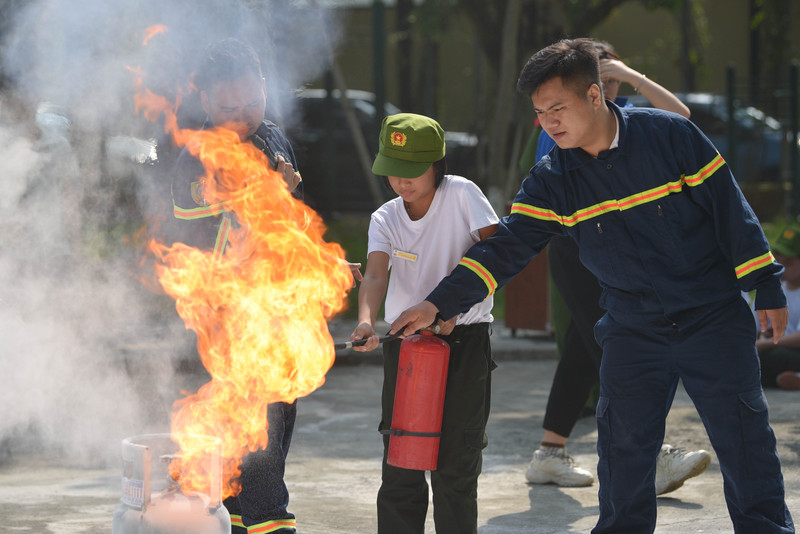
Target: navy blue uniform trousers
{"type": "Point", "coordinates": [716, 360]}
{"type": "Point", "coordinates": [264, 497]}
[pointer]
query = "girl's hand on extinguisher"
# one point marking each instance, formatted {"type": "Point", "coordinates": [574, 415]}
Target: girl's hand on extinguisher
{"type": "Point", "coordinates": [365, 331]}
{"type": "Point", "coordinates": [446, 327]}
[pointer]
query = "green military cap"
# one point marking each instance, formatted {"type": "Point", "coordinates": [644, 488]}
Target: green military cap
{"type": "Point", "coordinates": [408, 145]}
{"type": "Point", "coordinates": [788, 242]}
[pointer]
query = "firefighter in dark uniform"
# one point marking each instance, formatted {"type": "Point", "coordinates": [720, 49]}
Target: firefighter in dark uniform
{"type": "Point", "coordinates": [233, 94]}
{"type": "Point", "coordinates": [662, 223]}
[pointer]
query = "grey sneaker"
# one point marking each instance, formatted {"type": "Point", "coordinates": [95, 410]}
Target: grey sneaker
{"type": "Point", "coordinates": [676, 465]}
{"type": "Point", "coordinates": [555, 466]}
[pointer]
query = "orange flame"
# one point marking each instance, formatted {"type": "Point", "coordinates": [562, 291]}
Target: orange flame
{"type": "Point", "coordinates": [152, 31]}
{"type": "Point", "coordinates": [260, 310]}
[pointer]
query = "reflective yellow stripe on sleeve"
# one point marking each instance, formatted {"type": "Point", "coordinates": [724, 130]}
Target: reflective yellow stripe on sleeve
{"type": "Point", "coordinates": [754, 264]}
{"type": "Point", "coordinates": [701, 176]}
{"type": "Point", "coordinates": [482, 272]}
{"type": "Point", "coordinates": [222, 236]}
{"type": "Point", "coordinates": [198, 213]}
{"type": "Point", "coordinates": [628, 202]}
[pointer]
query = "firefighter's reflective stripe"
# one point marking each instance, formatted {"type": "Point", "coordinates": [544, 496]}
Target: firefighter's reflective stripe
{"type": "Point", "coordinates": [198, 213]}
{"type": "Point", "coordinates": [705, 172]}
{"type": "Point", "coordinates": [482, 272]}
{"type": "Point", "coordinates": [222, 236]}
{"type": "Point", "coordinates": [266, 527]}
{"type": "Point", "coordinates": [540, 213]}
{"type": "Point", "coordinates": [272, 526]}
{"type": "Point", "coordinates": [754, 264]}
{"type": "Point", "coordinates": [628, 202]}
{"type": "Point", "coordinates": [236, 521]}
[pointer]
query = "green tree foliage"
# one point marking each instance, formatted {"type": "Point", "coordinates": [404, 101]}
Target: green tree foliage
{"type": "Point", "coordinates": [545, 21]}
{"type": "Point", "coordinates": [540, 22]}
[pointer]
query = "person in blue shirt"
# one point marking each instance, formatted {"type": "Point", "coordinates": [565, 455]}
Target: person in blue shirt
{"type": "Point", "coordinates": [660, 220]}
{"type": "Point", "coordinates": [579, 366]}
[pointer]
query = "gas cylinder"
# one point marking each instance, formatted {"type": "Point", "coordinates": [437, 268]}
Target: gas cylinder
{"type": "Point", "coordinates": [418, 402]}
{"type": "Point", "coordinates": [153, 501]}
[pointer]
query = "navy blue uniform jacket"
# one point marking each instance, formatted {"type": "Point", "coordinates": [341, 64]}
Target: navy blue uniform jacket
{"type": "Point", "coordinates": [203, 225]}
{"type": "Point", "coordinates": [660, 220]}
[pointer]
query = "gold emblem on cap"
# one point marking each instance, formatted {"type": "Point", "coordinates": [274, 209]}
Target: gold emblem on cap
{"type": "Point", "coordinates": [788, 234]}
{"type": "Point", "coordinates": [399, 139]}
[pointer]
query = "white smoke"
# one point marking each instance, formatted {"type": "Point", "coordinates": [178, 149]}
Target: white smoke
{"type": "Point", "coordinates": [88, 355]}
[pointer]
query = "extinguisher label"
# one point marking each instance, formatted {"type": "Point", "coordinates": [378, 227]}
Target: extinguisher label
{"type": "Point", "coordinates": [133, 492]}
{"type": "Point", "coordinates": [404, 255]}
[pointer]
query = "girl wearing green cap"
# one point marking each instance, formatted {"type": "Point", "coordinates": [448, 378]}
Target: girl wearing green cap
{"type": "Point", "coordinates": [421, 236]}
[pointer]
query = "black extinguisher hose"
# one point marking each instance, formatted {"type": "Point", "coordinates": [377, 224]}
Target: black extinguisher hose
{"type": "Point", "coordinates": [384, 339]}
{"type": "Point", "coordinates": [360, 342]}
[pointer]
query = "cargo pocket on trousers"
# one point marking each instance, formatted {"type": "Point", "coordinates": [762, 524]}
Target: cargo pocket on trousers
{"type": "Point", "coordinates": [476, 439]}
{"type": "Point", "coordinates": [753, 410]}
{"type": "Point", "coordinates": [470, 458]}
{"type": "Point", "coordinates": [603, 431]}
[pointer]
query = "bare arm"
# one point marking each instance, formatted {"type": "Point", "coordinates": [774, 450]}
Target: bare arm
{"type": "Point", "coordinates": [657, 95]}
{"type": "Point", "coordinates": [370, 295]}
{"type": "Point", "coordinates": [487, 231]}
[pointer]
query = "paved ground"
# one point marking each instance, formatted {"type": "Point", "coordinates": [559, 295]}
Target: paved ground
{"type": "Point", "coordinates": [334, 468]}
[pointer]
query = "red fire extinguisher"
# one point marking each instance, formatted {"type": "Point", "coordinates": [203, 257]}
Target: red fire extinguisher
{"type": "Point", "coordinates": [419, 402]}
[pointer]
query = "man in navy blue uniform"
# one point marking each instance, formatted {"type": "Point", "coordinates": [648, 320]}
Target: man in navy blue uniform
{"type": "Point", "coordinates": [233, 94]}
{"type": "Point", "coordinates": [660, 220]}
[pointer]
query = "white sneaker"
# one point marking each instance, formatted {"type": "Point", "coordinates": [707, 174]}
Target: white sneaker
{"type": "Point", "coordinates": [555, 466]}
{"type": "Point", "coordinates": [676, 465]}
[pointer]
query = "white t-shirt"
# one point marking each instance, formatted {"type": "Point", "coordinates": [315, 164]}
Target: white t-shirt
{"type": "Point", "coordinates": [424, 251]}
{"type": "Point", "coordinates": [793, 303]}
